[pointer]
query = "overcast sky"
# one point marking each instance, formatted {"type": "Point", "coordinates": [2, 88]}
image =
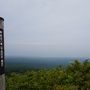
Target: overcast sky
{"type": "Point", "coordinates": [46, 28]}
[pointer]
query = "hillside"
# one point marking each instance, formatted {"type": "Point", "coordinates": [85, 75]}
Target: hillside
{"type": "Point", "coordinates": [75, 77]}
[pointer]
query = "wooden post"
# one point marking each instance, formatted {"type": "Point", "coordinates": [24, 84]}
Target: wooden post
{"type": "Point", "coordinates": [2, 62]}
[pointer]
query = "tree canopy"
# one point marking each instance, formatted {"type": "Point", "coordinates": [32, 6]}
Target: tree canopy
{"type": "Point", "coordinates": [76, 76]}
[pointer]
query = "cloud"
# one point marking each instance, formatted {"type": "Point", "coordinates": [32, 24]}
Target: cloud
{"type": "Point", "coordinates": [63, 25]}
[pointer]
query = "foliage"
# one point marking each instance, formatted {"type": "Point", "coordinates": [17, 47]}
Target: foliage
{"type": "Point", "coordinates": [75, 77]}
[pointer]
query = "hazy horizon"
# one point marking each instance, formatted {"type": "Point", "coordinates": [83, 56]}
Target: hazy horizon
{"type": "Point", "coordinates": [46, 28]}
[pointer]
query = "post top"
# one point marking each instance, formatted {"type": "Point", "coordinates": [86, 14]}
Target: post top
{"type": "Point", "coordinates": [1, 18]}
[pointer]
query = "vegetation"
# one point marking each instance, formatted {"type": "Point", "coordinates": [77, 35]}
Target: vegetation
{"type": "Point", "coordinates": [75, 77]}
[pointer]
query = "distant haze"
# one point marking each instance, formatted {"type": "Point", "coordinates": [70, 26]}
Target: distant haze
{"type": "Point", "coordinates": [46, 28]}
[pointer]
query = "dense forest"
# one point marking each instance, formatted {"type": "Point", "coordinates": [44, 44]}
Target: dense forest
{"type": "Point", "coordinates": [76, 76]}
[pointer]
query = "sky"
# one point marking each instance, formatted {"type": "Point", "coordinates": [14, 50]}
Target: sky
{"type": "Point", "coordinates": [46, 28]}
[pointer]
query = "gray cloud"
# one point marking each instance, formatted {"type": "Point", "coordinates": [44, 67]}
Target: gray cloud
{"type": "Point", "coordinates": [47, 27]}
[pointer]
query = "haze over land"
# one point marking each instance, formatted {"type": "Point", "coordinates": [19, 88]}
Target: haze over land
{"type": "Point", "coordinates": [46, 28]}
